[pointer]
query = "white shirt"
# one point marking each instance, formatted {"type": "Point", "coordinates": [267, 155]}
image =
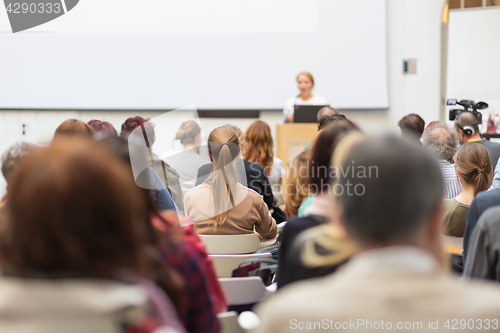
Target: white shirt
{"type": "Point", "coordinates": [291, 102]}
{"type": "Point", "coordinates": [452, 185]}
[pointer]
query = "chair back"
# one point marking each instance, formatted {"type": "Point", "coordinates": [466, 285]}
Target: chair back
{"type": "Point", "coordinates": [233, 244]}
{"type": "Point", "coordinates": [245, 290]}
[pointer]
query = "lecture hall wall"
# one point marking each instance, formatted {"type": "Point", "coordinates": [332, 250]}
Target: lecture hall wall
{"type": "Point", "coordinates": [414, 31]}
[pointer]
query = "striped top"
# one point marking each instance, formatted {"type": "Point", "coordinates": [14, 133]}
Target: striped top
{"type": "Point", "coordinates": [452, 186]}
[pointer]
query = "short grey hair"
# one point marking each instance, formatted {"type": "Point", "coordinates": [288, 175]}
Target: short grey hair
{"type": "Point", "coordinates": [12, 156]}
{"type": "Point", "coordinates": [441, 140]}
{"type": "Point", "coordinates": [397, 200]}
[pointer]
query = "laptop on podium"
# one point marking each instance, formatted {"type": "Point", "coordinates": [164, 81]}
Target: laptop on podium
{"type": "Point", "coordinates": [306, 113]}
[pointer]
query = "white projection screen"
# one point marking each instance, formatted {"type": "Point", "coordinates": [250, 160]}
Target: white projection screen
{"type": "Point", "coordinates": [217, 54]}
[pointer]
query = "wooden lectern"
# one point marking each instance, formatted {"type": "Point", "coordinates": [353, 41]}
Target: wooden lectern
{"type": "Point", "coordinates": [291, 139]}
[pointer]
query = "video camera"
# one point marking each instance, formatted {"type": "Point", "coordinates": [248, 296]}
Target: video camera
{"type": "Point", "coordinates": [468, 106]}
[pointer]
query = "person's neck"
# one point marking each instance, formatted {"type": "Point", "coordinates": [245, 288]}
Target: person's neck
{"type": "Point", "coordinates": [192, 146]}
{"type": "Point", "coordinates": [475, 137]}
{"type": "Point", "coordinates": [467, 195]}
{"type": "Point", "coordinates": [306, 97]}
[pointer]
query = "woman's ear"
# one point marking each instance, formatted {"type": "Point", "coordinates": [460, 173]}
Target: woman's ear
{"type": "Point", "coordinates": [211, 159]}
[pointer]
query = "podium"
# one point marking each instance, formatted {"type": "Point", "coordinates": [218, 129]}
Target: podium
{"type": "Point", "coordinates": [291, 139]}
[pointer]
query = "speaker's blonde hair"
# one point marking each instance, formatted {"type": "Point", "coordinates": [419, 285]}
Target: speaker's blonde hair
{"type": "Point", "coordinates": [306, 74]}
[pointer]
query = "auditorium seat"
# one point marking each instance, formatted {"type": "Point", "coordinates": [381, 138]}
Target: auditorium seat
{"type": "Point", "coordinates": [245, 290]}
{"type": "Point", "coordinates": [234, 244]}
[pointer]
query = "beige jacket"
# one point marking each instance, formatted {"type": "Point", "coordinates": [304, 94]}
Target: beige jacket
{"type": "Point", "coordinates": [382, 288]}
{"type": "Point", "coordinates": [250, 212]}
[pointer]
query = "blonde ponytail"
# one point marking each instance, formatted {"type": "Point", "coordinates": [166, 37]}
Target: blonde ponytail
{"type": "Point", "coordinates": [224, 147]}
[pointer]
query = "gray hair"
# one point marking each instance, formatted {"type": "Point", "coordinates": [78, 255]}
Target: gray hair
{"type": "Point", "coordinates": [12, 156]}
{"type": "Point", "coordinates": [441, 140]}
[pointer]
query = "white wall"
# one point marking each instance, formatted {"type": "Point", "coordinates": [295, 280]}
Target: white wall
{"type": "Point", "coordinates": [474, 71]}
{"type": "Point", "coordinates": [414, 31]}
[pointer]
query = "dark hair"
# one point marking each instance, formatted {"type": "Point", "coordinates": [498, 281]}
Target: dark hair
{"type": "Point", "coordinates": [132, 123]}
{"type": "Point", "coordinates": [395, 186]}
{"type": "Point", "coordinates": [102, 126]}
{"type": "Point", "coordinates": [325, 121]}
{"type": "Point", "coordinates": [412, 125]}
{"type": "Point", "coordinates": [326, 111]}
{"type": "Point", "coordinates": [322, 153]}
{"type": "Point", "coordinates": [467, 119]}
{"type": "Point", "coordinates": [73, 214]}
{"type": "Point", "coordinates": [473, 165]}
{"type": "Point", "coordinates": [73, 128]}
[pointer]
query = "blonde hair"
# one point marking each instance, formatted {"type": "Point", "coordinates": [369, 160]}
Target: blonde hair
{"type": "Point", "coordinates": [188, 132]}
{"type": "Point", "coordinates": [331, 236]}
{"type": "Point", "coordinates": [223, 147]}
{"type": "Point", "coordinates": [239, 133]}
{"type": "Point", "coordinates": [306, 74]}
{"type": "Point", "coordinates": [297, 179]}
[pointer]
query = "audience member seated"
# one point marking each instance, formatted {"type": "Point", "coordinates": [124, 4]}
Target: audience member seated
{"type": "Point", "coordinates": [164, 187]}
{"type": "Point", "coordinates": [73, 128]}
{"type": "Point", "coordinates": [259, 149]}
{"type": "Point", "coordinates": [473, 166]}
{"type": "Point", "coordinates": [320, 170]}
{"type": "Point", "coordinates": [74, 255]}
{"type": "Point", "coordinates": [483, 258]}
{"type": "Point", "coordinates": [182, 250]}
{"type": "Point", "coordinates": [443, 142]}
{"type": "Point", "coordinates": [326, 111]}
{"type": "Point", "coordinates": [187, 162]}
{"type": "Point", "coordinates": [11, 159]}
{"type": "Point", "coordinates": [100, 126]}
{"type": "Point", "coordinates": [221, 205]}
{"type": "Point", "coordinates": [496, 178]}
{"type": "Point", "coordinates": [296, 187]}
{"type": "Point", "coordinates": [412, 126]}
{"type": "Point", "coordinates": [322, 244]}
{"type": "Point", "coordinates": [256, 178]}
{"type": "Point", "coordinates": [482, 202]}
{"type": "Point", "coordinates": [325, 121]}
{"type": "Point", "coordinates": [399, 273]}
{"type": "Point", "coordinates": [467, 128]}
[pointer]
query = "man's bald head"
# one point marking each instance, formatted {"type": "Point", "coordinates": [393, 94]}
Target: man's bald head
{"type": "Point", "coordinates": [467, 119]}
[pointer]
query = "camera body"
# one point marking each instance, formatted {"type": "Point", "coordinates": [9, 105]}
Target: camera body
{"type": "Point", "coordinates": [468, 106]}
